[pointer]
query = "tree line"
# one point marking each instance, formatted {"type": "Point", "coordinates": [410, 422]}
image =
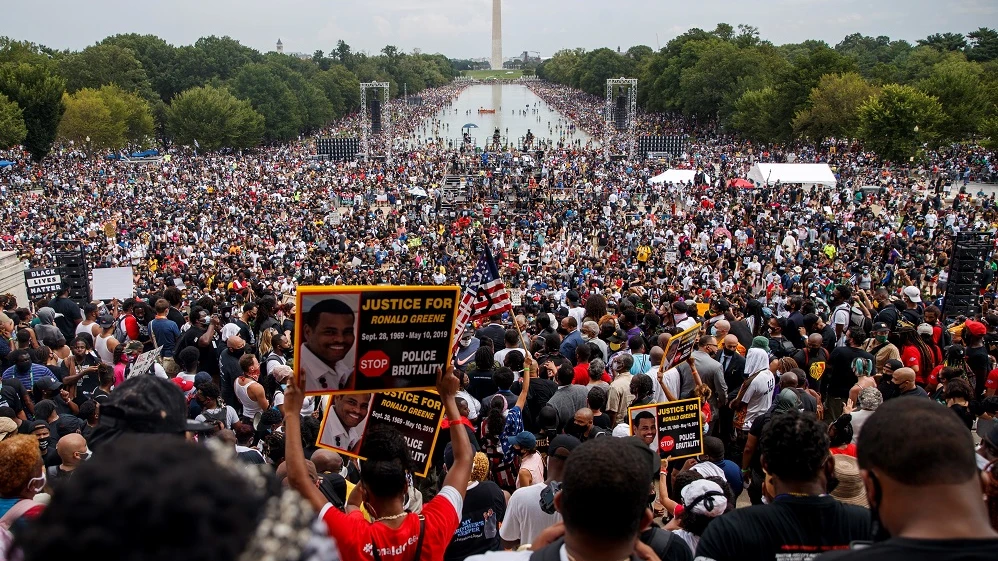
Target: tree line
{"type": "Point", "coordinates": [129, 90]}
{"type": "Point", "coordinates": [893, 95]}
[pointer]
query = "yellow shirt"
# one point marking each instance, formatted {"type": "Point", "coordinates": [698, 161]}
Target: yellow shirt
{"type": "Point", "coordinates": [643, 253]}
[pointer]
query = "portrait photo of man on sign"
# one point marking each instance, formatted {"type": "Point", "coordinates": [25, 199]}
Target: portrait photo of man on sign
{"type": "Point", "coordinates": [327, 355]}
{"type": "Point", "coordinates": [345, 422]}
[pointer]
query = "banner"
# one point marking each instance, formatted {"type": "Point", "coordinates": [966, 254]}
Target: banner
{"type": "Point", "coordinates": [680, 347]}
{"type": "Point", "coordinates": [417, 415]}
{"type": "Point", "coordinates": [42, 282]}
{"type": "Point", "coordinates": [362, 339]}
{"type": "Point", "coordinates": [675, 429]}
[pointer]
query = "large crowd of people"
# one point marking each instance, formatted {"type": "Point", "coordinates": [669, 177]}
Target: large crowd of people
{"type": "Point", "coordinates": [845, 412]}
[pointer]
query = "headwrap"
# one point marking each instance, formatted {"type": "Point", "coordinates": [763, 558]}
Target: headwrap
{"type": "Point", "coordinates": [787, 401]}
{"type": "Point", "coordinates": [704, 497]}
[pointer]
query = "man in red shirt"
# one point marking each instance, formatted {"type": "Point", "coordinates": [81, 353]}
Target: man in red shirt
{"type": "Point", "coordinates": [394, 535]}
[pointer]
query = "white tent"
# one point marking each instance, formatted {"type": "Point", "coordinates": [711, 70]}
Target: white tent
{"type": "Point", "coordinates": [808, 174]}
{"type": "Point", "coordinates": [677, 176]}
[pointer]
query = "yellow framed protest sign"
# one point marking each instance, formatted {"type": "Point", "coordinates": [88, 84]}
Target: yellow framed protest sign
{"type": "Point", "coordinates": [673, 429]}
{"type": "Point", "coordinates": [417, 415]}
{"type": "Point", "coordinates": [367, 339]}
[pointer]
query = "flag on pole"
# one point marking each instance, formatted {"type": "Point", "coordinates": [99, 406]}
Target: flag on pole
{"type": "Point", "coordinates": [484, 295]}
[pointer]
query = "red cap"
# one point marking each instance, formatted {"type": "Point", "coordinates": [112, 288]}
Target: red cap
{"type": "Point", "coordinates": [184, 385]}
{"type": "Point", "coordinates": [975, 328]}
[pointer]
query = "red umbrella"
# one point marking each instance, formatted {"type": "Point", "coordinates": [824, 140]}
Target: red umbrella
{"type": "Point", "coordinates": [743, 183]}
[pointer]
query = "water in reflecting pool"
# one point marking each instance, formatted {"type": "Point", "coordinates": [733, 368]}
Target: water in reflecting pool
{"type": "Point", "coordinates": [517, 110]}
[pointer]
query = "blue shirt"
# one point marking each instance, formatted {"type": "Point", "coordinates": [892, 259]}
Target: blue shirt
{"type": "Point", "coordinates": [167, 333]}
{"type": "Point", "coordinates": [28, 380]}
{"type": "Point", "coordinates": [732, 474]}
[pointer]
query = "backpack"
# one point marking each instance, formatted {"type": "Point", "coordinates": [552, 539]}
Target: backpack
{"type": "Point", "coordinates": [857, 320]}
{"type": "Point", "coordinates": [219, 416]}
{"type": "Point", "coordinates": [503, 474]}
{"type": "Point", "coordinates": [120, 332]}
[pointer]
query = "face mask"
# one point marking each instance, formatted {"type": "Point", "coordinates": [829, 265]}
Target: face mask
{"type": "Point", "coordinates": [86, 455]}
{"type": "Point", "coordinates": [465, 342]}
{"type": "Point", "coordinates": [574, 430]}
{"type": "Point", "coordinates": [24, 368]}
{"type": "Point", "coordinates": [881, 338]}
{"type": "Point", "coordinates": [237, 352]}
{"type": "Point", "coordinates": [43, 445]}
{"type": "Point", "coordinates": [713, 331]}
{"type": "Point", "coordinates": [37, 484]}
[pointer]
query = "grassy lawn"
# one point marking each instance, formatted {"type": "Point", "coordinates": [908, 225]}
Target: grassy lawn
{"type": "Point", "coordinates": [495, 74]}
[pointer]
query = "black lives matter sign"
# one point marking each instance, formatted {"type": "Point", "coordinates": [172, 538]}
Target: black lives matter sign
{"type": "Point", "coordinates": [42, 282]}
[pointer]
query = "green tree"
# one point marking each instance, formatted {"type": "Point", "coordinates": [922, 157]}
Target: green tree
{"type": "Point", "coordinates": [639, 52]}
{"type": "Point", "coordinates": [833, 107]}
{"type": "Point", "coordinates": [724, 32]}
{"type": "Point", "coordinates": [155, 55]}
{"type": "Point", "coordinates": [958, 87]}
{"type": "Point", "coordinates": [39, 95]}
{"type": "Point", "coordinates": [12, 129]}
{"type": "Point", "coordinates": [755, 115]}
{"type": "Point", "coordinates": [12, 50]}
{"type": "Point", "coordinates": [338, 82]}
{"type": "Point", "coordinates": [132, 110]}
{"type": "Point", "coordinates": [343, 54]}
{"type": "Point", "coordinates": [263, 86]}
{"type": "Point", "coordinates": [100, 65]}
{"type": "Point", "coordinates": [945, 41]}
{"type": "Point", "coordinates": [983, 45]}
{"type": "Point", "coordinates": [794, 84]}
{"type": "Point", "coordinates": [895, 123]}
{"type": "Point", "coordinates": [88, 122]}
{"type": "Point", "coordinates": [561, 68]}
{"type": "Point", "coordinates": [598, 66]}
{"type": "Point", "coordinates": [989, 133]}
{"type": "Point", "coordinates": [214, 118]}
{"type": "Point", "coordinates": [721, 74]}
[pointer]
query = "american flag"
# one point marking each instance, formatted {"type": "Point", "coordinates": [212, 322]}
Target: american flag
{"type": "Point", "coordinates": [484, 295]}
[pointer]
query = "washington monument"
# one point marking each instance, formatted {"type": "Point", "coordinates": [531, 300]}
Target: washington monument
{"type": "Point", "coordinates": [496, 34]}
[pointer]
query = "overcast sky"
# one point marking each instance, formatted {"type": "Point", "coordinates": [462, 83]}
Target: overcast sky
{"type": "Point", "coordinates": [462, 28]}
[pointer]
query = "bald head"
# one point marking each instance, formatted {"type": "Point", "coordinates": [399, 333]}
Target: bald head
{"type": "Point", "coordinates": [235, 342]}
{"type": "Point", "coordinates": [904, 378]}
{"type": "Point", "coordinates": [584, 417]}
{"type": "Point", "coordinates": [730, 344]}
{"type": "Point", "coordinates": [656, 354]}
{"type": "Point", "coordinates": [663, 340]}
{"type": "Point", "coordinates": [282, 472]}
{"type": "Point", "coordinates": [327, 461]}
{"type": "Point", "coordinates": [70, 448]}
{"type": "Point", "coordinates": [814, 341]}
{"type": "Point", "coordinates": [788, 380]}
{"type": "Point", "coordinates": [721, 328]}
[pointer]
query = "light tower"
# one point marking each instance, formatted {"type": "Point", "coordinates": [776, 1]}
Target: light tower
{"type": "Point", "coordinates": [280, 46]}
{"type": "Point", "coordinates": [496, 34]}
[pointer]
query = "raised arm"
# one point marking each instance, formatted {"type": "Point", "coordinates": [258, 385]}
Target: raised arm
{"type": "Point", "coordinates": [529, 368]}
{"type": "Point", "coordinates": [459, 474]}
{"type": "Point", "coordinates": [294, 452]}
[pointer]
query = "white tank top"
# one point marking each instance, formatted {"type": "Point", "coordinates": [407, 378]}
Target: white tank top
{"type": "Point", "coordinates": [250, 407]}
{"type": "Point", "coordinates": [106, 356]}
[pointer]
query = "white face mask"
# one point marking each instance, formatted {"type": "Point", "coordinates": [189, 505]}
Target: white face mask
{"type": "Point", "coordinates": [37, 484]}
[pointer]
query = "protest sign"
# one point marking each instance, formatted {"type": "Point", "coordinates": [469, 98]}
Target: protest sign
{"type": "Point", "coordinates": [675, 428]}
{"type": "Point", "coordinates": [360, 339]}
{"type": "Point", "coordinates": [680, 347]}
{"type": "Point", "coordinates": [113, 282]}
{"type": "Point", "coordinates": [416, 415]}
{"type": "Point", "coordinates": [42, 282]}
{"type": "Point", "coordinates": [144, 362]}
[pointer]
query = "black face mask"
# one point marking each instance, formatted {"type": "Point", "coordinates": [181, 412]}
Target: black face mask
{"type": "Point", "coordinates": [880, 533]}
{"type": "Point", "coordinates": [237, 352]}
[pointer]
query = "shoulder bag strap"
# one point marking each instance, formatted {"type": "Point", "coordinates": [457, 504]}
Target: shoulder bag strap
{"type": "Point", "coordinates": [419, 542]}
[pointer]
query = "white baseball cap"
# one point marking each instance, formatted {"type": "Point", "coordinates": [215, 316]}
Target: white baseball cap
{"type": "Point", "coordinates": [912, 293]}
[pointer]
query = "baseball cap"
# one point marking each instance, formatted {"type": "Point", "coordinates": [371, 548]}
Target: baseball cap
{"type": "Point", "coordinates": [975, 328]}
{"type": "Point", "coordinates": [48, 383]}
{"type": "Point", "coordinates": [105, 321]}
{"type": "Point", "coordinates": [547, 419]}
{"type": "Point", "coordinates": [680, 307]}
{"type": "Point", "coordinates": [924, 329]}
{"type": "Point", "coordinates": [134, 346]}
{"type": "Point", "coordinates": [912, 293]}
{"type": "Point", "coordinates": [881, 326]}
{"type": "Point", "coordinates": [893, 364]}
{"type": "Point", "coordinates": [525, 439]}
{"type": "Point", "coordinates": [7, 427]}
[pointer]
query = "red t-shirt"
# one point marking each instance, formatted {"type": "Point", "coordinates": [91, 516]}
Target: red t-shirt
{"type": "Point", "coordinates": [913, 359]}
{"type": "Point", "coordinates": [355, 535]}
{"type": "Point", "coordinates": [581, 375]}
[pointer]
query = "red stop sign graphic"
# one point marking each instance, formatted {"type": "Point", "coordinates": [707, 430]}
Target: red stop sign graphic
{"type": "Point", "coordinates": [667, 443]}
{"type": "Point", "coordinates": [374, 364]}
